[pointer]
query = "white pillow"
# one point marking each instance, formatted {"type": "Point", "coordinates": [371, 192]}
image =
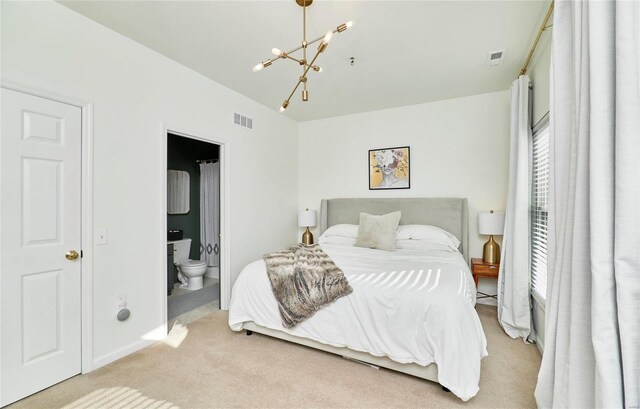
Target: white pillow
{"type": "Point", "coordinates": [427, 234]}
{"type": "Point", "coordinates": [340, 234]}
{"type": "Point", "coordinates": [378, 232]}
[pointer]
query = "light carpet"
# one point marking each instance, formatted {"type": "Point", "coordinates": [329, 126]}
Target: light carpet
{"type": "Point", "coordinates": [206, 365]}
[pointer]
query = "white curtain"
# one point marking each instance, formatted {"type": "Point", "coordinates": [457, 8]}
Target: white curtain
{"type": "Point", "coordinates": [514, 280]}
{"type": "Point", "coordinates": [592, 343]}
{"type": "Point", "coordinates": [210, 213]}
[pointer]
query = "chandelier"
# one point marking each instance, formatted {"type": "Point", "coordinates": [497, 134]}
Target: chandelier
{"type": "Point", "coordinates": [303, 62]}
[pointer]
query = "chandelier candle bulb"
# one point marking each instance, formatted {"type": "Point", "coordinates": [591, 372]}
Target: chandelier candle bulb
{"type": "Point", "coordinates": [278, 52]}
{"type": "Point", "coordinates": [344, 26]}
{"type": "Point", "coordinates": [284, 105]}
{"type": "Point", "coordinates": [327, 37]}
{"type": "Point", "coordinates": [262, 65]}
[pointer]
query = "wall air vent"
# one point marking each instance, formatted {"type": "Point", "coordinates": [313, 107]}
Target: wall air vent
{"type": "Point", "coordinates": [242, 121]}
{"type": "Point", "coordinates": [496, 57]}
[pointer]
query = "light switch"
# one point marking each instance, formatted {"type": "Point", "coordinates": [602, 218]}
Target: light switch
{"type": "Point", "coordinates": [101, 237]}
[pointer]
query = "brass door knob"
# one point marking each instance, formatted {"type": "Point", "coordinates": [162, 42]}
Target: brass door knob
{"type": "Point", "coordinates": [72, 255]}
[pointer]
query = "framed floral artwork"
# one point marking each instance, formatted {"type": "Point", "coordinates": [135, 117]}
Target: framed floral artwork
{"type": "Point", "coordinates": [389, 168]}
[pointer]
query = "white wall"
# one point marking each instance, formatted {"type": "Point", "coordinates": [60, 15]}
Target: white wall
{"type": "Point", "coordinates": [134, 91]}
{"type": "Point", "coordinates": [459, 148]}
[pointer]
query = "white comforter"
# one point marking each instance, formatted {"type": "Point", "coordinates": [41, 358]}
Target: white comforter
{"type": "Point", "coordinates": [410, 306]}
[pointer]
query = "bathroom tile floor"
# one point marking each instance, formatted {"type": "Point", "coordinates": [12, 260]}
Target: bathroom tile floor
{"type": "Point", "coordinates": [182, 301]}
{"type": "Point", "coordinates": [208, 282]}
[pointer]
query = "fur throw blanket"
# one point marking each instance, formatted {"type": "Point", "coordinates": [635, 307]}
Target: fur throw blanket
{"type": "Point", "coordinates": [303, 280]}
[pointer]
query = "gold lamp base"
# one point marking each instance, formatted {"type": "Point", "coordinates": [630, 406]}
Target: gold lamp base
{"type": "Point", "coordinates": [491, 252]}
{"type": "Point", "coordinates": [307, 237]}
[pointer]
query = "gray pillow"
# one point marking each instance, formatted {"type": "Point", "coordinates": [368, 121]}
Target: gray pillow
{"type": "Point", "coordinates": [378, 232]}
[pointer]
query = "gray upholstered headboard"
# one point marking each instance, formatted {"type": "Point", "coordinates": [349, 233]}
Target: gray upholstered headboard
{"type": "Point", "coordinates": [450, 214]}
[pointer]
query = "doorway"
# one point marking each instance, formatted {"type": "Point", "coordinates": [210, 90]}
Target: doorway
{"type": "Point", "coordinates": [194, 247]}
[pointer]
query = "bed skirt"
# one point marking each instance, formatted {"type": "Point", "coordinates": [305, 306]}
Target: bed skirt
{"type": "Point", "coordinates": [429, 372]}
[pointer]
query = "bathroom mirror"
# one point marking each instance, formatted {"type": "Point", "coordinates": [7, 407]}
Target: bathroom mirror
{"type": "Point", "coordinates": [177, 192]}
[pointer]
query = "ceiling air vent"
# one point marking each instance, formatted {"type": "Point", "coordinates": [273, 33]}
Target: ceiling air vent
{"type": "Point", "coordinates": [242, 121]}
{"type": "Point", "coordinates": [496, 57]}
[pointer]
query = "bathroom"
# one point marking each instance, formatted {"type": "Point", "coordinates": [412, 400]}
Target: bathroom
{"type": "Point", "coordinates": [193, 228]}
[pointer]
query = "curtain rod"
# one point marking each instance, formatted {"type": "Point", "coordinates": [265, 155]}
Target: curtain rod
{"type": "Point", "coordinates": [543, 27]}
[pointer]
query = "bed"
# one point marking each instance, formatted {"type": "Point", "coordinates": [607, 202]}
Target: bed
{"type": "Point", "coordinates": [410, 311]}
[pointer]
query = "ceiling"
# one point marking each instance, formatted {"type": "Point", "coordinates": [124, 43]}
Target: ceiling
{"type": "Point", "coordinates": [406, 52]}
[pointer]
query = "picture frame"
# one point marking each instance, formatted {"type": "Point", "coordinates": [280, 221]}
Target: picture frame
{"type": "Point", "coordinates": [390, 168]}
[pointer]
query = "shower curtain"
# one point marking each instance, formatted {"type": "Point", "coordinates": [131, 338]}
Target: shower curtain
{"type": "Point", "coordinates": [210, 213]}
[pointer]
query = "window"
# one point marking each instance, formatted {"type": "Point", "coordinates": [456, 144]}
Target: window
{"type": "Point", "coordinates": [539, 209]}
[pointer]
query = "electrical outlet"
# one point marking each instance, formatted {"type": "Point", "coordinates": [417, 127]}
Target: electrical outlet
{"type": "Point", "coordinates": [121, 301]}
{"type": "Point", "coordinates": [101, 237]}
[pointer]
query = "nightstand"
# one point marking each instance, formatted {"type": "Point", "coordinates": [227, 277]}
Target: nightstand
{"type": "Point", "coordinates": [480, 269]}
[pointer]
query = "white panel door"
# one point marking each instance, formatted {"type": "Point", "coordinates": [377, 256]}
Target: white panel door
{"type": "Point", "coordinates": [40, 332]}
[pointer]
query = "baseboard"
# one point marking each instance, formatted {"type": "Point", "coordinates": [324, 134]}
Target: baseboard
{"type": "Point", "coordinates": [487, 286]}
{"type": "Point", "coordinates": [121, 353]}
{"type": "Point", "coordinates": [487, 301]}
{"type": "Point", "coordinates": [540, 346]}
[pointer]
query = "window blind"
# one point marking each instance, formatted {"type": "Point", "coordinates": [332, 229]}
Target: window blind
{"type": "Point", "coordinates": [539, 211]}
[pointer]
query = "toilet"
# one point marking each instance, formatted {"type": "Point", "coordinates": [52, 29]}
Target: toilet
{"type": "Point", "coordinates": [193, 270]}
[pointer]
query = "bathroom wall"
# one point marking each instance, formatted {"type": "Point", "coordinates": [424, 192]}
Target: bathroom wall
{"type": "Point", "coordinates": [182, 154]}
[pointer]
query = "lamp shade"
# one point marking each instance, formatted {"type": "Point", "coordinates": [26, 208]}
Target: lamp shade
{"type": "Point", "coordinates": [307, 218]}
{"type": "Point", "coordinates": [491, 223]}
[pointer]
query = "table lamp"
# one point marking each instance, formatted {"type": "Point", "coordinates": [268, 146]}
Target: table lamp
{"type": "Point", "coordinates": [492, 224]}
{"type": "Point", "coordinates": [307, 218]}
